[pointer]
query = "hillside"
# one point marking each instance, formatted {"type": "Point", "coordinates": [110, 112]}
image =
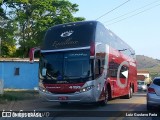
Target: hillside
{"type": "Point", "coordinates": [148, 63]}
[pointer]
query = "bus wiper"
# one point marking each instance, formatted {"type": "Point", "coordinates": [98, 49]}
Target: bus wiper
{"type": "Point", "coordinates": [76, 77]}
{"type": "Point", "coordinates": [89, 76]}
{"type": "Point", "coordinates": [53, 78]}
{"type": "Point", "coordinates": [70, 77]}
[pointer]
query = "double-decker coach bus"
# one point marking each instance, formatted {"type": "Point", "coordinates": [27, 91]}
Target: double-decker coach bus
{"type": "Point", "coordinates": [85, 62]}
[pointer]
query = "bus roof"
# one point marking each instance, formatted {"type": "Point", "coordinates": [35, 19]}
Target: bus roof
{"type": "Point", "coordinates": [75, 35]}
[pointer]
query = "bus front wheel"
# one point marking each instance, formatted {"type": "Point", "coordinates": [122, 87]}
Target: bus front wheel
{"type": "Point", "coordinates": [104, 102]}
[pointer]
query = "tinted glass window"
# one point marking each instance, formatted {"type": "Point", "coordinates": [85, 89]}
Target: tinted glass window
{"type": "Point", "coordinates": [69, 36]}
{"type": "Point", "coordinates": [113, 68]}
{"type": "Point", "coordinates": [108, 37]}
{"type": "Point", "coordinates": [78, 60]}
{"type": "Point", "coordinates": [156, 82]}
{"type": "Point", "coordinates": [98, 70]}
{"type": "Point", "coordinates": [71, 66]}
{"type": "Point", "coordinates": [141, 83]}
{"type": "Point", "coordinates": [102, 34]}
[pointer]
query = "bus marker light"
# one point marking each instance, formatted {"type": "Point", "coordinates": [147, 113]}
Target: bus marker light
{"type": "Point", "coordinates": [92, 49]}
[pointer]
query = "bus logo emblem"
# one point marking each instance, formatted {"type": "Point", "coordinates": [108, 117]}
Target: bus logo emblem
{"type": "Point", "coordinates": [67, 33]}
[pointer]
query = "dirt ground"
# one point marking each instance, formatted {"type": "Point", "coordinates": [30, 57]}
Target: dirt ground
{"type": "Point", "coordinates": [20, 100]}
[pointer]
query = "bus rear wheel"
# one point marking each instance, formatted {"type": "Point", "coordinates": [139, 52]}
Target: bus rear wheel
{"type": "Point", "coordinates": [130, 93]}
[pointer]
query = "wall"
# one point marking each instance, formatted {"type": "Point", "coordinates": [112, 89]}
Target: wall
{"type": "Point", "coordinates": [146, 75]}
{"type": "Point", "coordinates": [24, 78]}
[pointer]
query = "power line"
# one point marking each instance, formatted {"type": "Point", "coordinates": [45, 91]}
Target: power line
{"type": "Point", "coordinates": [112, 10]}
{"type": "Point", "coordinates": [132, 11]}
{"type": "Point", "coordinates": [134, 14]}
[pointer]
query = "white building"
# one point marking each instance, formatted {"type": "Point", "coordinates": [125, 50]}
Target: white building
{"type": "Point", "coordinates": [143, 75]}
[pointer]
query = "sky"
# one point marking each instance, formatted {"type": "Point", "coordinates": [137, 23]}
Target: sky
{"type": "Point", "coordinates": [138, 26]}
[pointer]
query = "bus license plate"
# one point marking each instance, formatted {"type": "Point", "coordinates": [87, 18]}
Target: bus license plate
{"type": "Point", "coordinates": [63, 98]}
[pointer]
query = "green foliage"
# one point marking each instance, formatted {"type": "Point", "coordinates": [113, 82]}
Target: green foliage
{"type": "Point", "coordinates": [8, 40]}
{"type": "Point", "coordinates": [8, 50]}
{"type": "Point", "coordinates": [30, 19]}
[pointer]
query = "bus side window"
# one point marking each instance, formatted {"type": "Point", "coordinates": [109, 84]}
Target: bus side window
{"type": "Point", "coordinates": [98, 68]}
{"type": "Point", "coordinates": [112, 70]}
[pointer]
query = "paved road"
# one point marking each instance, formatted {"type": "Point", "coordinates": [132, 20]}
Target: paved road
{"type": "Point", "coordinates": [85, 111]}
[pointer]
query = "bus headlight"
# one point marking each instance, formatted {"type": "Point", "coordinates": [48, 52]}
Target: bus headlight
{"type": "Point", "coordinates": [86, 88]}
{"type": "Point", "coordinates": [43, 89]}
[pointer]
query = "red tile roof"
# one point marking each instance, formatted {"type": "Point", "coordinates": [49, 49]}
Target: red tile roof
{"type": "Point", "coordinates": [142, 71]}
{"type": "Point", "coordinates": [140, 77]}
{"type": "Point", "coordinates": [16, 59]}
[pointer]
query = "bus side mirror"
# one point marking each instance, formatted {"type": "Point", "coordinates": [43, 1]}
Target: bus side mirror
{"type": "Point", "coordinates": [31, 54]}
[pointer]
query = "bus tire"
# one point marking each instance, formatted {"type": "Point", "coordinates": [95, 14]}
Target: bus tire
{"type": "Point", "coordinates": [104, 102]}
{"type": "Point", "coordinates": [130, 93]}
{"type": "Point", "coordinates": [149, 107]}
{"type": "Point", "coordinates": [131, 90]}
{"type": "Point", "coordinates": [109, 93]}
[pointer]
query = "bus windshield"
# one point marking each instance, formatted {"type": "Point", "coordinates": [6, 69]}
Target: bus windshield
{"type": "Point", "coordinates": [66, 66]}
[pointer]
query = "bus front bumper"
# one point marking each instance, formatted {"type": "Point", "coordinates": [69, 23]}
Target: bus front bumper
{"type": "Point", "coordinates": [87, 96]}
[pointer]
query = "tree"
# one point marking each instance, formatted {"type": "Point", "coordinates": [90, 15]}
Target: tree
{"type": "Point", "coordinates": [8, 41]}
{"type": "Point", "coordinates": [34, 17]}
{"type": "Point", "coordinates": [1, 9]}
{"type": "Point", "coordinates": [7, 29]}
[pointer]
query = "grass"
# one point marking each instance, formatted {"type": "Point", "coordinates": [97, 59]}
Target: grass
{"type": "Point", "coordinates": [15, 95]}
